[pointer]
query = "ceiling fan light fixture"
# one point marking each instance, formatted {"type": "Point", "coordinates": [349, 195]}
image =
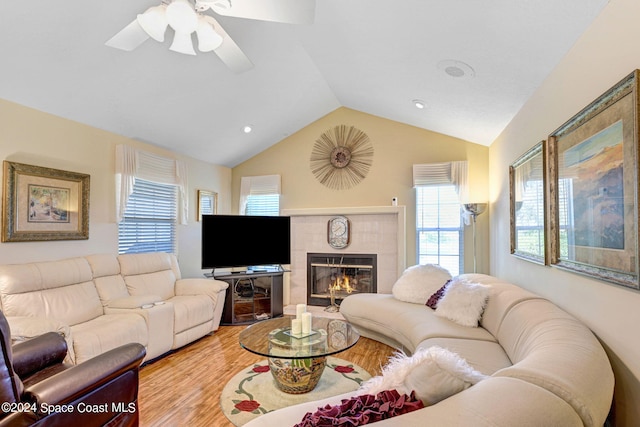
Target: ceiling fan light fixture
{"type": "Point", "coordinates": [154, 22]}
{"type": "Point", "coordinates": [202, 5]}
{"type": "Point", "coordinates": [182, 43]}
{"type": "Point", "coordinates": [182, 17]}
{"type": "Point", "coordinates": [208, 38]}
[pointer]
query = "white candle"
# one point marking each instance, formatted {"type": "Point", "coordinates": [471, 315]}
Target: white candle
{"type": "Point", "coordinates": [300, 308]}
{"type": "Point", "coordinates": [306, 323]}
{"type": "Point", "coordinates": [296, 326]}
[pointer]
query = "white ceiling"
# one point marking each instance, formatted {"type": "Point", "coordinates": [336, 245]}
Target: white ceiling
{"type": "Point", "coordinates": [374, 56]}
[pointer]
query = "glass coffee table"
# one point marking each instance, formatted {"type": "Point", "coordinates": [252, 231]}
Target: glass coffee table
{"type": "Point", "coordinates": [297, 362]}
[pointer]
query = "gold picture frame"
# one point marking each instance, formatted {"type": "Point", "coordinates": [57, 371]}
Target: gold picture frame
{"type": "Point", "coordinates": [42, 204]}
{"type": "Point", "coordinates": [528, 205]}
{"type": "Point", "coordinates": [593, 188]}
{"type": "Point", "coordinates": [207, 203]}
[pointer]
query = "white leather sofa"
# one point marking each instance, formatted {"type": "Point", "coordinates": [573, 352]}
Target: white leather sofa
{"type": "Point", "coordinates": [545, 367]}
{"type": "Point", "coordinates": [99, 302]}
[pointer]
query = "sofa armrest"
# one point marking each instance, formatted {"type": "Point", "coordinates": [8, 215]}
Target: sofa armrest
{"type": "Point", "coordinates": [210, 287]}
{"type": "Point", "coordinates": [134, 301]}
{"type": "Point", "coordinates": [38, 353]}
{"type": "Point", "coordinates": [67, 386]}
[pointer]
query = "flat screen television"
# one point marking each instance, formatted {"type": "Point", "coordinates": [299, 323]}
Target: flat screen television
{"type": "Point", "coordinates": [245, 241]}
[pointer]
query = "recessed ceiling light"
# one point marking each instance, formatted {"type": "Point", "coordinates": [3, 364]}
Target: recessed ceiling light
{"type": "Point", "coordinates": [419, 104]}
{"type": "Point", "coordinates": [456, 69]}
{"type": "Point", "coordinates": [247, 129]}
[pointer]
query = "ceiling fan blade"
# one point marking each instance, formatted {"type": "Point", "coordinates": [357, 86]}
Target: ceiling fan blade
{"type": "Point", "coordinates": [129, 38]}
{"type": "Point", "coordinates": [287, 11]}
{"type": "Point", "coordinates": [228, 51]}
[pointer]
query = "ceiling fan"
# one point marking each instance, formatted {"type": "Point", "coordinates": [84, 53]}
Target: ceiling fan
{"type": "Point", "coordinates": [186, 17]}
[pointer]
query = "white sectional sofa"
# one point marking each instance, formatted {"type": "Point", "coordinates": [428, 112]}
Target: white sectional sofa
{"type": "Point", "coordinates": [99, 302]}
{"type": "Point", "coordinates": [544, 367]}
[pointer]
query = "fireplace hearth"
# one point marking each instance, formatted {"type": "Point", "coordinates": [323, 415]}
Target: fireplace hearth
{"type": "Point", "coordinates": [332, 277]}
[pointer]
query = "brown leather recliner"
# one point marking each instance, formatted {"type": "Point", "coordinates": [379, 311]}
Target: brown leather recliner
{"type": "Point", "coordinates": [37, 388]}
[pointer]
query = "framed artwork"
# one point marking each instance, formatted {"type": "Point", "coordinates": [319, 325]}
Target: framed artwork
{"type": "Point", "coordinates": [527, 185]}
{"type": "Point", "coordinates": [44, 204]}
{"type": "Point", "coordinates": [593, 188]}
{"type": "Point", "coordinates": [207, 203]}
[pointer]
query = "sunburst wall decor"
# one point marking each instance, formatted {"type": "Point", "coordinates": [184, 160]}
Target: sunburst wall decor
{"type": "Point", "coordinates": [341, 157]}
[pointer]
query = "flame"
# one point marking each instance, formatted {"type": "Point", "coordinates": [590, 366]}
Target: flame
{"type": "Point", "coordinates": [341, 283]}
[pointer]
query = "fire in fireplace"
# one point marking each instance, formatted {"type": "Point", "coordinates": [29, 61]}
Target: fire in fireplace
{"type": "Point", "coordinates": [332, 277]}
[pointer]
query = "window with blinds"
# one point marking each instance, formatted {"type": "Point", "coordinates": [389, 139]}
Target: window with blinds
{"type": "Point", "coordinates": [260, 195]}
{"type": "Point", "coordinates": [263, 205]}
{"type": "Point", "coordinates": [439, 228]}
{"type": "Point", "coordinates": [149, 223]}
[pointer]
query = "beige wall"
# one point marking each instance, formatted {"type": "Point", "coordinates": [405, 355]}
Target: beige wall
{"type": "Point", "coordinates": [397, 147]}
{"type": "Point", "coordinates": [35, 138]}
{"type": "Point", "coordinates": [605, 54]}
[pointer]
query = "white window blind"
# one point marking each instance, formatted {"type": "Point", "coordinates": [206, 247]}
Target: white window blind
{"type": "Point", "coordinates": [132, 164]}
{"type": "Point", "coordinates": [260, 195]}
{"type": "Point", "coordinates": [439, 236]}
{"type": "Point", "coordinates": [149, 222]}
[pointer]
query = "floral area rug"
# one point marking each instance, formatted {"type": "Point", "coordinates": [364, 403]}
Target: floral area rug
{"type": "Point", "coordinates": [252, 392]}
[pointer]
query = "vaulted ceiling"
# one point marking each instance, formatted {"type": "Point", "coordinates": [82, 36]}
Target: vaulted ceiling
{"type": "Point", "coordinates": [473, 63]}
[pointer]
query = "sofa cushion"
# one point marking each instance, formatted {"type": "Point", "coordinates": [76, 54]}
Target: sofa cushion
{"type": "Point", "coordinates": [71, 304]}
{"type": "Point", "coordinates": [484, 356]}
{"type": "Point", "coordinates": [433, 373]}
{"type": "Point", "coordinates": [160, 283]}
{"type": "Point", "coordinates": [37, 276]}
{"type": "Point", "coordinates": [482, 405]}
{"type": "Point", "coordinates": [106, 276]}
{"type": "Point", "coordinates": [552, 349]}
{"type": "Point", "coordinates": [62, 290]}
{"type": "Point", "coordinates": [24, 328]}
{"type": "Point", "coordinates": [504, 296]}
{"type": "Point", "coordinates": [107, 332]}
{"type": "Point", "coordinates": [417, 283]}
{"type": "Point", "coordinates": [132, 264]}
{"type": "Point", "coordinates": [406, 324]}
{"type": "Point", "coordinates": [463, 302]}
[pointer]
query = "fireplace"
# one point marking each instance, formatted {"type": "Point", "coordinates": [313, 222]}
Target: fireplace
{"type": "Point", "coordinates": [340, 275]}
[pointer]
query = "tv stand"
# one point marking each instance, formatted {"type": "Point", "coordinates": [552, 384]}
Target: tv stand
{"type": "Point", "coordinates": [252, 296]}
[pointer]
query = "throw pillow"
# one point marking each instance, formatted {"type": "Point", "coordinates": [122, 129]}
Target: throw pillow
{"type": "Point", "coordinates": [362, 410]}
{"type": "Point", "coordinates": [433, 300]}
{"type": "Point", "coordinates": [463, 302]}
{"type": "Point", "coordinates": [433, 373]}
{"type": "Point", "coordinates": [418, 282]}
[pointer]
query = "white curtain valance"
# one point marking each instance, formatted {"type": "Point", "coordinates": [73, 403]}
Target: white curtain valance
{"type": "Point", "coordinates": [132, 164]}
{"type": "Point", "coordinates": [255, 186]}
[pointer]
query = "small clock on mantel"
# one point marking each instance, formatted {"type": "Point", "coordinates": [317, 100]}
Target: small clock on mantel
{"type": "Point", "coordinates": [339, 232]}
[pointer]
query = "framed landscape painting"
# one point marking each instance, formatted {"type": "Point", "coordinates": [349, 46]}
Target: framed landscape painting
{"type": "Point", "coordinates": [593, 189]}
{"type": "Point", "coordinates": [528, 205]}
{"type": "Point", "coordinates": [44, 204]}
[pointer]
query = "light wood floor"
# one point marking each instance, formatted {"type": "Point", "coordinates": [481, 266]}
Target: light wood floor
{"type": "Point", "coordinates": [184, 387]}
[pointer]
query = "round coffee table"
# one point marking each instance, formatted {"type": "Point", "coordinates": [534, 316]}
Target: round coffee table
{"type": "Point", "coordinates": [297, 362]}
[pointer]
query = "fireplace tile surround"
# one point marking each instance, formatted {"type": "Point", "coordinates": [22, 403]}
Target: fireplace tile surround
{"type": "Point", "coordinates": [379, 230]}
